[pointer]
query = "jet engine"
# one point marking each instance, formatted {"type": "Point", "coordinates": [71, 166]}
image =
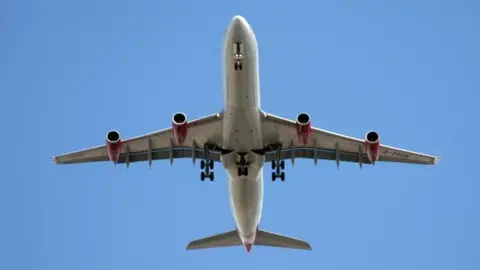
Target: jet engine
{"type": "Point", "coordinates": [304, 128]}
{"type": "Point", "coordinates": [180, 127]}
{"type": "Point", "coordinates": [372, 145]}
{"type": "Point", "coordinates": [114, 145]}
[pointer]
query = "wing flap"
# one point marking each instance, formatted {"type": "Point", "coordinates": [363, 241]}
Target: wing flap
{"type": "Point", "coordinates": [309, 153]}
{"type": "Point", "coordinates": [157, 154]}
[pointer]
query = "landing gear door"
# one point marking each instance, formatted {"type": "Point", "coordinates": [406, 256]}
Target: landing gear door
{"type": "Point", "coordinates": [238, 48]}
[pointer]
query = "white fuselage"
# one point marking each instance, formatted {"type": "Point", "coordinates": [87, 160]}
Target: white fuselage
{"type": "Point", "coordinates": [241, 126]}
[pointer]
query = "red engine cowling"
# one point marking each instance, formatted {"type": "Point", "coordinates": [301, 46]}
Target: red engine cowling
{"type": "Point", "coordinates": [180, 127]}
{"type": "Point", "coordinates": [304, 128]}
{"type": "Point", "coordinates": [114, 145]}
{"type": "Point", "coordinates": [372, 145]}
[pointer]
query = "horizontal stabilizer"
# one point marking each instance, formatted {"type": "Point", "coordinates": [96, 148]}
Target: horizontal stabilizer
{"type": "Point", "coordinates": [227, 239]}
{"type": "Point", "coordinates": [269, 239]}
{"type": "Point", "coordinates": [263, 238]}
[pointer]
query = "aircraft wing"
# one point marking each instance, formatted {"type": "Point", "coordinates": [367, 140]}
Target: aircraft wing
{"type": "Point", "coordinates": [159, 145]}
{"type": "Point", "coordinates": [326, 145]}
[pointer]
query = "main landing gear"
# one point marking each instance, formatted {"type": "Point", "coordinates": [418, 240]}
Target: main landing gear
{"type": "Point", "coordinates": [207, 165]}
{"type": "Point", "coordinates": [278, 165]}
{"type": "Point", "coordinates": [207, 173]}
{"type": "Point", "coordinates": [242, 165]}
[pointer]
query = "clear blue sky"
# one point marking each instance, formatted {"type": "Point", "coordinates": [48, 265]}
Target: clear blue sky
{"type": "Point", "coordinates": [71, 70]}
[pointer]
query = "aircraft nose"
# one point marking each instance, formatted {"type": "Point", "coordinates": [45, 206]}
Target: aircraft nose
{"type": "Point", "coordinates": [239, 28]}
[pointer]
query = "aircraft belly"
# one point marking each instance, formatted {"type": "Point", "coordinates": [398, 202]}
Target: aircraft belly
{"type": "Point", "coordinates": [242, 133]}
{"type": "Point", "coordinates": [242, 130]}
{"type": "Point", "coordinates": [246, 201]}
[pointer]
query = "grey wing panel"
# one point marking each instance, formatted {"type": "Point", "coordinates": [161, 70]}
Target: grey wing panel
{"type": "Point", "coordinates": [392, 154]}
{"type": "Point", "coordinates": [325, 154]}
{"type": "Point", "coordinates": [325, 144]}
{"type": "Point", "coordinates": [200, 131]}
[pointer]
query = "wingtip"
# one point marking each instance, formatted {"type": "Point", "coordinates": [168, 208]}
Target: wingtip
{"type": "Point", "coordinates": [54, 160]}
{"type": "Point", "coordinates": [307, 246]}
{"type": "Point", "coordinates": [189, 246]}
{"type": "Point", "coordinates": [436, 160]}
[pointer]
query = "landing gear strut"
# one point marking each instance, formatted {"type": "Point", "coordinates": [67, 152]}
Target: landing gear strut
{"type": "Point", "coordinates": [238, 62]}
{"type": "Point", "coordinates": [278, 165]}
{"type": "Point", "coordinates": [207, 165]}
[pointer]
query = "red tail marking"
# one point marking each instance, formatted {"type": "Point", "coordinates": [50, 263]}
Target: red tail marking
{"type": "Point", "coordinates": [248, 246]}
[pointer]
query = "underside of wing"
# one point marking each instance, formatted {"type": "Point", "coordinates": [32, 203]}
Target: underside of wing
{"type": "Point", "coordinates": [200, 138]}
{"type": "Point", "coordinates": [289, 139]}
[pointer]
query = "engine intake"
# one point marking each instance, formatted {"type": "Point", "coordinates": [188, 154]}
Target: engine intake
{"type": "Point", "coordinates": [372, 145]}
{"type": "Point", "coordinates": [180, 127]}
{"type": "Point", "coordinates": [304, 128]}
{"type": "Point", "coordinates": [114, 145]}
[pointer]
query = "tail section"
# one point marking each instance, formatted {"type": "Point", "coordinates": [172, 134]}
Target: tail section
{"type": "Point", "coordinates": [262, 238]}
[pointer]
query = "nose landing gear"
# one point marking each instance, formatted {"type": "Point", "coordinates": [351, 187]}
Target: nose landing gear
{"type": "Point", "coordinates": [238, 52]}
{"type": "Point", "coordinates": [238, 62]}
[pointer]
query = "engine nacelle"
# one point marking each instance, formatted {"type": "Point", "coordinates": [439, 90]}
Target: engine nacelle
{"type": "Point", "coordinates": [304, 128]}
{"type": "Point", "coordinates": [372, 145]}
{"type": "Point", "coordinates": [114, 145]}
{"type": "Point", "coordinates": [180, 127]}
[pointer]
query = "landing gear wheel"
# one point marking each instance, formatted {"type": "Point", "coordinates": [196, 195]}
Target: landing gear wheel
{"type": "Point", "coordinates": [202, 164]}
{"type": "Point", "coordinates": [211, 176]}
{"type": "Point", "coordinates": [282, 176]}
{"type": "Point", "coordinates": [282, 164]}
{"type": "Point", "coordinates": [245, 171]}
{"type": "Point", "coordinates": [240, 66]}
{"type": "Point", "coordinates": [273, 164]}
{"type": "Point", "coordinates": [236, 65]}
{"type": "Point", "coordinates": [274, 176]}
{"type": "Point", "coordinates": [239, 171]}
{"type": "Point", "coordinates": [210, 164]}
{"type": "Point", "coordinates": [202, 176]}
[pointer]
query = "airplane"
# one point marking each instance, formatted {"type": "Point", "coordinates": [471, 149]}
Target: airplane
{"type": "Point", "coordinates": [242, 137]}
